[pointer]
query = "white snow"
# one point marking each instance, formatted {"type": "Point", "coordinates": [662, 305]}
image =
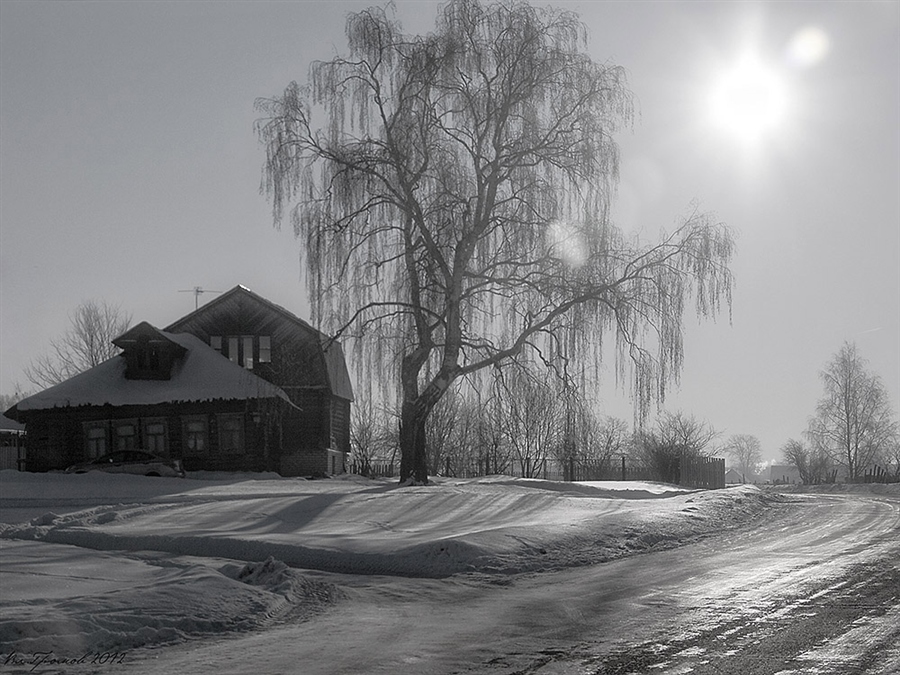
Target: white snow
{"type": "Point", "coordinates": [101, 562]}
{"type": "Point", "coordinates": [202, 374]}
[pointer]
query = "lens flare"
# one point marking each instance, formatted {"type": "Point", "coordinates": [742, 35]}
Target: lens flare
{"type": "Point", "coordinates": [808, 46]}
{"type": "Point", "coordinates": [566, 243]}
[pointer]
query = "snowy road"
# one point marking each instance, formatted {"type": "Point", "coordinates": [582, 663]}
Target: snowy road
{"type": "Point", "coordinates": [816, 589]}
{"type": "Point", "coordinates": [264, 576]}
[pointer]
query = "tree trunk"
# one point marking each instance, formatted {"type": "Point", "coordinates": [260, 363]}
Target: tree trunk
{"type": "Point", "coordinates": [413, 465]}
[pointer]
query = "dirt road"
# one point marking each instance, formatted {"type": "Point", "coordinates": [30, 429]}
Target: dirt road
{"type": "Point", "coordinates": [815, 589]}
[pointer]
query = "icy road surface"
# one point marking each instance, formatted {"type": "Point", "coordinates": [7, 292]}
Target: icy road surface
{"type": "Point", "coordinates": [494, 576]}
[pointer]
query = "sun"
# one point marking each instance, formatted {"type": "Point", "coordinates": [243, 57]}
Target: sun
{"type": "Point", "coordinates": [748, 100]}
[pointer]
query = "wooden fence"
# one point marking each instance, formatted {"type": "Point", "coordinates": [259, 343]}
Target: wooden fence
{"type": "Point", "coordinates": [878, 474]}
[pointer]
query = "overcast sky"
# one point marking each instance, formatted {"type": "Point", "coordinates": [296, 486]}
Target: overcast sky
{"type": "Point", "coordinates": [129, 171]}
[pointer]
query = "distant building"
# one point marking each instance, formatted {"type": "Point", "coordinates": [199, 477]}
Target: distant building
{"type": "Point", "coordinates": [734, 477]}
{"type": "Point", "coordinates": [784, 474]}
{"type": "Point", "coordinates": [238, 384]}
{"type": "Point", "coordinates": [12, 444]}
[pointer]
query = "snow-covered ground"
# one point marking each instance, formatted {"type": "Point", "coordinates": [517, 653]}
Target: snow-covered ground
{"type": "Point", "coordinates": [99, 563]}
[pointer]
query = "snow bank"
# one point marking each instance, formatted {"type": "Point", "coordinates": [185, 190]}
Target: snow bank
{"type": "Point", "coordinates": [162, 600]}
{"type": "Point", "coordinates": [842, 488]}
{"type": "Point", "coordinates": [153, 561]}
{"type": "Point", "coordinates": [493, 525]}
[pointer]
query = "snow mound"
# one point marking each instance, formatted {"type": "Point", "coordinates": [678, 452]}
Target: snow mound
{"type": "Point", "coordinates": [495, 525]}
{"type": "Point", "coordinates": [177, 601]}
{"type": "Point", "coordinates": [148, 562]}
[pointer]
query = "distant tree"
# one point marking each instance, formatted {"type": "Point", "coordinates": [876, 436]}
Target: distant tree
{"type": "Point", "coordinates": [453, 202]}
{"type": "Point", "coordinates": [492, 452]}
{"type": "Point", "coordinates": [673, 437]}
{"type": "Point", "coordinates": [7, 401]}
{"type": "Point", "coordinates": [371, 440]}
{"type": "Point", "coordinates": [811, 463]}
{"type": "Point", "coordinates": [746, 452]}
{"type": "Point", "coordinates": [613, 438]}
{"type": "Point", "coordinates": [86, 343]}
{"type": "Point", "coordinates": [533, 419]}
{"type": "Point", "coordinates": [854, 420]}
{"type": "Point", "coordinates": [446, 431]}
{"type": "Point", "coordinates": [891, 458]}
{"type": "Point", "coordinates": [579, 427]}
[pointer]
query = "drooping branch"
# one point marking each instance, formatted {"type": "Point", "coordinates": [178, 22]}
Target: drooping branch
{"type": "Point", "coordinates": [459, 184]}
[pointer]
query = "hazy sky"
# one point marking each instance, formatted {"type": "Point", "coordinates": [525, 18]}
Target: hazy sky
{"type": "Point", "coordinates": [129, 170]}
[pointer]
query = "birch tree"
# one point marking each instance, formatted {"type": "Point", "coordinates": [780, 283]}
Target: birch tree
{"type": "Point", "coordinates": [854, 421]}
{"type": "Point", "coordinates": [451, 192]}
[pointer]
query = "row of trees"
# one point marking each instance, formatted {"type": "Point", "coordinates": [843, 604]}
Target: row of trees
{"type": "Point", "coordinates": [521, 424]}
{"type": "Point", "coordinates": [515, 424]}
{"type": "Point", "coordinates": [854, 428]}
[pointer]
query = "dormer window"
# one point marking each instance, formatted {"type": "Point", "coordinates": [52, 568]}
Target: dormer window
{"type": "Point", "coordinates": [149, 354]}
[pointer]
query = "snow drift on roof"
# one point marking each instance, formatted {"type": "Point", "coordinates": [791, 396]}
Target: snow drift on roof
{"type": "Point", "coordinates": [203, 374]}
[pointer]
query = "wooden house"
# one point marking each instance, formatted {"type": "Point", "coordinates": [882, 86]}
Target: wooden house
{"type": "Point", "coordinates": [12, 444]}
{"type": "Point", "coordinates": [238, 384]}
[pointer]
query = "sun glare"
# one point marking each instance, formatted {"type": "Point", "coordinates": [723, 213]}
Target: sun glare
{"type": "Point", "coordinates": [748, 100]}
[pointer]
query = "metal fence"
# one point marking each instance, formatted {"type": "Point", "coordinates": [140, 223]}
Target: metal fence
{"type": "Point", "coordinates": [695, 472]}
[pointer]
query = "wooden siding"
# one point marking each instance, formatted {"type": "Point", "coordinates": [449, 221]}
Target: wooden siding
{"type": "Point", "coordinates": [297, 358]}
{"type": "Point", "coordinates": [59, 434]}
{"type": "Point", "coordinates": [298, 365]}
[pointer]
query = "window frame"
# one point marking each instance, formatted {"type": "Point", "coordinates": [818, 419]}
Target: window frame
{"type": "Point", "coordinates": [145, 441]}
{"type": "Point", "coordinates": [222, 420]}
{"type": "Point", "coordinates": [265, 352]}
{"type": "Point", "coordinates": [103, 427]}
{"type": "Point", "coordinates": [187, 450]}
{"type": "Point", "coordinates": [118, 436]}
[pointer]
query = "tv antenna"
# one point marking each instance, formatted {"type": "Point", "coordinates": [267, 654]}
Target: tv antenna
{"type": "Point", "coordinates": [198, 291]}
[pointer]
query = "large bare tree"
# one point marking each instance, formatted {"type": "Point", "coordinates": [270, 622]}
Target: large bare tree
{"type": "Point", "coordinates": [86, 343]}
{"type": "Point", "coordinates": [452, 194]}
{"type": "Point", "coordinates": [746, 453]}
{"type": "Point", "coordinates": [854, 422]}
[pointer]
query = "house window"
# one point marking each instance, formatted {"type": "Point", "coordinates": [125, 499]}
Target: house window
{"type": "Point", "coordinates": [155, 437]}
{"type": "Point", "coordinates": [195, 436]}
{"type": "Point", "coordinates": [126, 436]}
{"type": "Point", "coordinates": [215, 341]}
{"type": "Point", "coordinates": [248, 352]}
{"type": "Point", "coordinates": [95, 436]}
{"type": "Point", "coordinates": [231, 434]}
{"type": "Point", "coordinates": [233, 349]}
{"type": "Point", "coordinates": [265, 349]}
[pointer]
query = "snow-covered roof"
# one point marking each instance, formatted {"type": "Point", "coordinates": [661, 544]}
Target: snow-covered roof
{"type": "Point", "coordinates": [11, 426]}
{"type": "Point", "coordinates": [202, 374]}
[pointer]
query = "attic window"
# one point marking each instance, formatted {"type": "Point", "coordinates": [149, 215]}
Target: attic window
{"type": "Point", "coordinates": [248, 352]}
{"type": "Point", "coordinates": [265, 349]}
{"type": "Point", "coordinates": [215, 341]}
